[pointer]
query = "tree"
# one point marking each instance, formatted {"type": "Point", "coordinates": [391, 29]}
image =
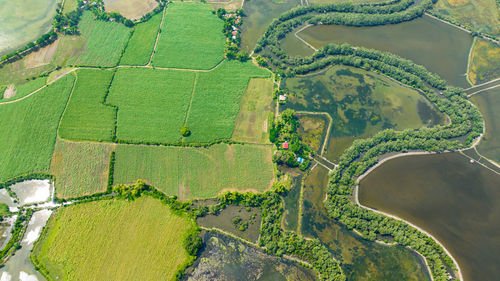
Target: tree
{"type": "Point", "coordinates": [192, 242]}
{"type": "Point", "coordinates": [185, 132]}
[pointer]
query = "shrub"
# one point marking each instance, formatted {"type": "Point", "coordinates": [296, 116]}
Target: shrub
{"type": "Point", "coordinates": [192, 242]}
{"type": "Point", "coordinates": [185, 132]}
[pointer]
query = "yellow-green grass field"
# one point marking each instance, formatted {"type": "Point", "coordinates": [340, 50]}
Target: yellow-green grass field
{"type": "Point", "coordinates": [196, 172]}
{"type": "Point", "coordinates": [152, 104]}
{"type": "Point", "coordinates": [69, 6]}
{"type": "Point", "coordinates": [113, 240]}
{"type": "Point", "coordinates": [191, 37]}
{"type": "Point", "coordinates": [483, 15]}
{"type": "Point", "coordinates": [485, 62]}
{"type": "Point", "coordinates": [86, 116]}
{"type": "Point", "coordinates": [131, 9]}
{"type": "Point", "coordinates": [140, 46]}
{"type": "Point", "coordinates": [29, 129]}
{"type": "Point", "coordinates": [104, 42]}
{"type": "Point", "coordinates": [24, 88]}
{"type": "Point", "coordinates": [217, 99]}
{"type": "Point", "coordinates": [251, 122]}
{"type": "Point", "coordinates": [80, 168]}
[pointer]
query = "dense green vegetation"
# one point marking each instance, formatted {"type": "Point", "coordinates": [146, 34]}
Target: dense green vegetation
{"type": "Point", "coordinates": [191, 37]}
{"type": "Point", "coordinates": [104, 42]}
{"type": "Point", "coordinates": [284, 132]}
{"type": "Point", "coordinates": [140, 46]}
{"type": "Point", "coordinates": [217, 98]}
{"type": "Point", "coordinates": [152, 104]}
{"type": "Point", "coordinates": [196, 172]}
{"type": "Point", "coordinates": [87, 117]}
{"type": "Point", "coordinates": [17, 233]}
{"type": "Point", "coordinates": [29, 130]}
{"type": "Point", "coordinates": [138, 240]}
{"type": "Point", "coordinates": [80, 168]}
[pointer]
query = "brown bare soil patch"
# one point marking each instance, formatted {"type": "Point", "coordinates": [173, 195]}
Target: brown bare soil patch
{"type": "Point", "coordinates": [41, 57]}
{"type": "Point", "coordinates": [131, 9]}
{"type": "Point", "coordinates": [455, 3]}
{"type": "Point", "coordinates": [9, 92]}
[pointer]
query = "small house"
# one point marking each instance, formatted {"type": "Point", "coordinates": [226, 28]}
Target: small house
{"type": "Point", "coordinates": [282, 97]}
{"type": "Point", "coordinates": [235, 33]}
{"type": "Point", "coordinates": [300, 160]}
{"type": "Point", "coordinates": [285, 145]}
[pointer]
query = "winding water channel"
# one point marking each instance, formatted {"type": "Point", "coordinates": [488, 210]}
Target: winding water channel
{"type": "Point", "coordinates": [440, 47]}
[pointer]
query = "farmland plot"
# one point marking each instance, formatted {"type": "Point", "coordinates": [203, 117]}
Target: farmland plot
{"type": "Point", "coordinates": [191, 38]}
{"type": "Point", "coordinates": [29, 129]}
{"type": "Point", "coordinates": [152, 104]}
{"type": "Point", "coordinates": [116, 239]}
{"type": "Point", "coordinates": [86, 117]}
{"type": "Point", "coordinates": [196, 172]}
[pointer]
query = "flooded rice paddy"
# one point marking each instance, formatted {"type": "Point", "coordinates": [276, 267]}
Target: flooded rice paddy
{"type": "Point", "coordinates": [225, 259]}
{"type": "Point", "coordinates": [19, 266]}
{"type": "Point", "coordinates": [453, 199]}
{"type": "Point", "coordinates": [24, 21]}
{"type": "Point", "coordinates": [361, 103]}
{"type": "Point", "coordinates": [33, 191]}
{"type": "Point", "coordinates": [360, 259]}
{"type": "Point", "coordinates": [438, 46]}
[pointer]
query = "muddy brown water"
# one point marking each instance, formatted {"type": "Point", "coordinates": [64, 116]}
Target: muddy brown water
{"type": "Point", "coordinates": [440, 47]}
{"type": "Point", "coordinates": [456, 201]}
{"type": "Point", "coordinates": [360, 259]}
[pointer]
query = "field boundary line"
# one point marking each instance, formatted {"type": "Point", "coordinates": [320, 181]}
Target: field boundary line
{"type": "Point", "coordinates": [482, 90]}
{"type": "Point", "coordinates": [157, 36]}
{"type": "Point", "coordinates": [482, 84]}
{"type": "Point", "coordinates": [66, 106]}
{"type": "Point", "coordinates": [39, 89]}
{"type": "Point", "coordinates": [191, 99]}
{"type": "Point", "coordinates": [301, 39]}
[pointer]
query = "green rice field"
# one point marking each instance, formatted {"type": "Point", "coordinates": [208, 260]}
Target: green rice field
{"type": "Point", "coordinates": [86, 117]}
{"type": "Point", "coordinates": [113, 240]}
{"type": "Point", "coordinates": [104, 42]}
{"type": "Point", "coordinates": [191, 38]}
{"type": "Point", "coordinates": [196, 172]}
{"type": "Point", "coordinates": [140, 46]}
{"type": "Point", "coordinates": [152, 104]}
{"type": "Point", "coordinates": [80, 168]}
{"type": "Point", "coordinates": [29, 130]}
{"type": "Point", "coordinates": [217, 98]}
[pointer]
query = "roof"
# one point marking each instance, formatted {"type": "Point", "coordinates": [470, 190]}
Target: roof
{"type": "Point", "coordinates": [285, 145]}
{"type": "Point", "coordinates": [235, 33]}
